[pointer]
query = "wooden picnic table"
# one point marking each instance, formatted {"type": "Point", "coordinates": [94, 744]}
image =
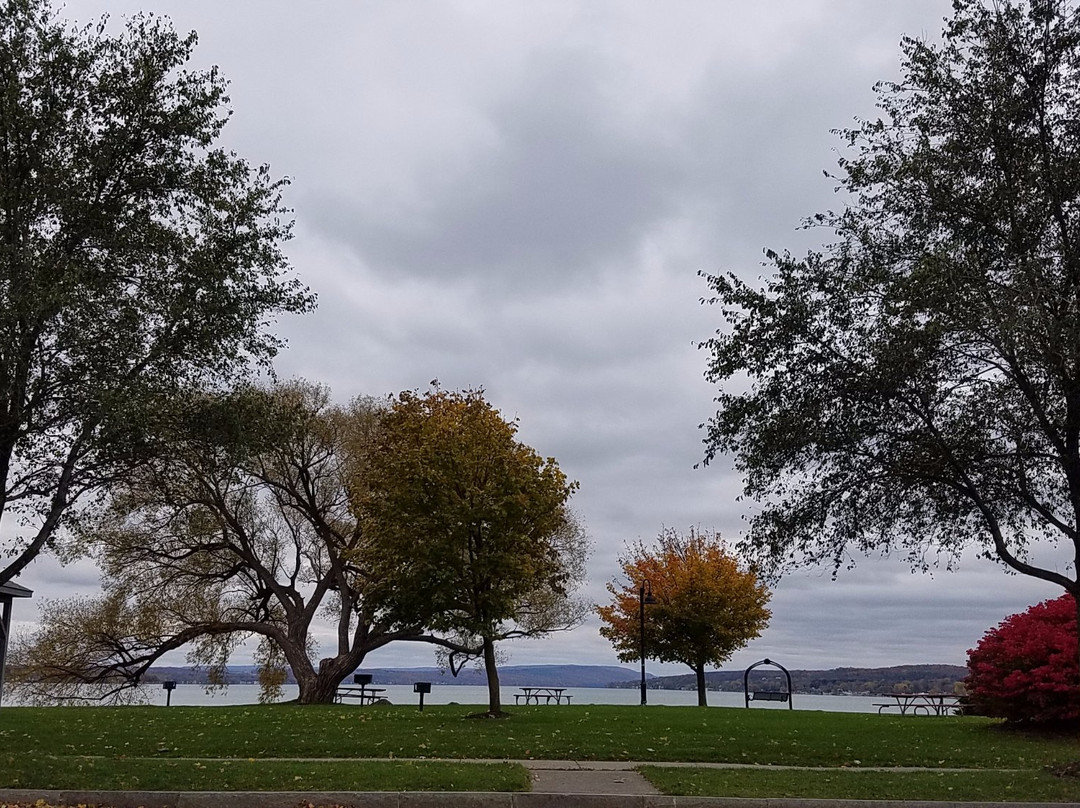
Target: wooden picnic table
{"type": "Point", "coordinates": [362, 693]}
{"type": "Point", "coordinates": [532, 695]}
{"type": "Point", "coordinates": [920, 703]}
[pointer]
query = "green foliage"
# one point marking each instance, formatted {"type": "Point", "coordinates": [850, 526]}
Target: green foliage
{"type": "Point", "coordinates": [916, 385]}
{"type": "Point", "coordinates": [241, 525]}
{"type": "Point", "coordinates": [466, 528]}
{"type": "Point", "coordinates": [136, 257]}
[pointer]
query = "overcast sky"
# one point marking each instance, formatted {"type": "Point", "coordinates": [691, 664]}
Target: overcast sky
{"type": "Point", "coordinates": [519, 196]}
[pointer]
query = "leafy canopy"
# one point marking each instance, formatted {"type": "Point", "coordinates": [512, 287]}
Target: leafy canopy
{"type": "Point", "coordinates": [467, 529]}
{"type": "Point", "coordinates": [137, 258]}
{"type": "Point", "coordinates": [241, 527]}
{"type": "Point", "coordinates": [916, 384]}
{"type": "Point", "coordinates": [462, 516]}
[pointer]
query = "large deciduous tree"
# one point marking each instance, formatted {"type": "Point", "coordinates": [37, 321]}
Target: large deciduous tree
{"type": "Point", "coordinates": [468, 527]}
{"type": "Point", "coordinates": [243, 528]}
{"type": "Point", "coordinates": [136, 257]}
{"type": "Point", "coordinates": [707, 605]}
{"type": "Point", "coordinates": [915, 385]}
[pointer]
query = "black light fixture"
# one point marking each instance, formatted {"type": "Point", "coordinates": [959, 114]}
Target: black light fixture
{"type": "Point", "coordinates": [645, 595]}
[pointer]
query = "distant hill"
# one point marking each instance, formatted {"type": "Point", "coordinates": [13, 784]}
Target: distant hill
{"type": "Point", "coordinates": [845, 681]}
{"type": "Point", "coordinates": [511, 675]}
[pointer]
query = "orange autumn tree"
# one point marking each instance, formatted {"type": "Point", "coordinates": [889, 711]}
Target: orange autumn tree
{"type": "Point", "coordinates": [707, 605]}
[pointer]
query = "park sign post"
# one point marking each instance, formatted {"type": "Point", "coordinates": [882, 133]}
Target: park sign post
{"type": "Point", "coordinates": [8, 593]}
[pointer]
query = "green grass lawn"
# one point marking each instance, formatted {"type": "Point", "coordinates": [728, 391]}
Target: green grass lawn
{"type": "Point", "coordinates": [967, 786]}
{"type": "Point", "coordinates": [140, 774]}
{"type": "Point", "coordinates": [586, 732]}
{"type": "Point", "coordinates": [232, 747]}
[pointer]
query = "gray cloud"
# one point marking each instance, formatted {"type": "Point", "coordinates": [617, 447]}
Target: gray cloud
{"type": "Point", "coordinates": [559, 189]}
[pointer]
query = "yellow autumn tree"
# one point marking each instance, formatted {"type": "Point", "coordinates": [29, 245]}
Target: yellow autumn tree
{"type": "Point", "coordinates": [468, 529]}
{"type": "Point", "coordinates": [707, 605]}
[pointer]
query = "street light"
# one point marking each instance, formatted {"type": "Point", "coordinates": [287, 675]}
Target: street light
{"type": "Point", "coordinates": [645, 595]}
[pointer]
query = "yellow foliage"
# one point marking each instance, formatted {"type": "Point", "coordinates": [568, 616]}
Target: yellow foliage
{"type": "Point", "coordinates": [462, 519]}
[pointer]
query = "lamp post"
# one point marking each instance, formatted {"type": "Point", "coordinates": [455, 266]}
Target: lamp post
{"type": "Point", "coordinates": [645, 595]}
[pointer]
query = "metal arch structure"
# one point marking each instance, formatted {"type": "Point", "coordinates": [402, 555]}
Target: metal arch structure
{"type": "Point", "coordinates": [8, 593]}
{"type": "Point", "coordinates": [768, 695]}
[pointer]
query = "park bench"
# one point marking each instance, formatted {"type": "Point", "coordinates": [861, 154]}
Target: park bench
{"type": "Point", "coordinates": [782, 696]}
{"type": "Point", "coordinates": [769, 695]}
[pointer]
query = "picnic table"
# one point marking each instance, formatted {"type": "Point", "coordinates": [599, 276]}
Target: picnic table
{"type": "Point", "coordinates": [919, 703]}
{"type": "Point", "coordinates": [362, 693]}
{"type": "Point", "coordinates": [532, 695]}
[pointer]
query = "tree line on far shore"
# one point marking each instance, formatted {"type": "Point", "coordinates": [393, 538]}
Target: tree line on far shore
{"type": "Point", "coordinates": [838, 681]}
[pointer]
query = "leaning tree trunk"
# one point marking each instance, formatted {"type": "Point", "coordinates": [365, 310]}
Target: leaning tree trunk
{"type": "Point", "coordinates": [320, 689]}
{"type": "Point", "coordinates": [319, 685]}
{"type": "Point", "coordinates": [699, 670]}
{"type": "Point", "coordinates": [306, 686]}
{"type": "Point", "coordinates": [314, 687]}
{"type": "Point", "coordinates": [494, 697]}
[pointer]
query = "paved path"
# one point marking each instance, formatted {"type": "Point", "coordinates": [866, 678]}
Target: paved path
{"type": "Point", "coordinates": [572, 777]}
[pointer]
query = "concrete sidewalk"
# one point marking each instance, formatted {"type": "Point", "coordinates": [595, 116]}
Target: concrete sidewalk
{"type": "Point", "coordinates": [593, 777]}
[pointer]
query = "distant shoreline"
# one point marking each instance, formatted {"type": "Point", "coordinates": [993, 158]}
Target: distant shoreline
{"type": "Point", "coordinates": [848, 681]}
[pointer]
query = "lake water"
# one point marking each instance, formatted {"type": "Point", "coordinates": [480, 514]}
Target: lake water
{"type": "Point", "coordinates": [196, 695]}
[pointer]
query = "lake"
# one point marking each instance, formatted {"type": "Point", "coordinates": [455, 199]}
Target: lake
{"type": "Point", "coordinates": [195, 695]}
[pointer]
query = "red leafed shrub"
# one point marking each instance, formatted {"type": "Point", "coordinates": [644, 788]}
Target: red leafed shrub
{"type": "Point", "coordinates": [1025, 669]}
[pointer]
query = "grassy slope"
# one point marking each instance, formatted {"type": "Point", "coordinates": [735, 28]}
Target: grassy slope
{"type": "Point", "coordinates": [140, 774]}
{"type": "Point", "coordinates": [967, 786]}
{"type": "Point", "coordinates": [579, 732]}
{"type": "Point", "coordinates": [165, 743]}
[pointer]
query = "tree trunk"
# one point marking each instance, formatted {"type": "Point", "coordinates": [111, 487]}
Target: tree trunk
{"type": "Point", "coordinates": [314, 686]}
{"type": "Point", "coordinates": [318, 689]}
{"type": "Point", "coordinates": [494, 697]}
{"type": "Point", "coordinates": [699, 669]}
{"type": "Point", "coordinates": [320, 686]}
